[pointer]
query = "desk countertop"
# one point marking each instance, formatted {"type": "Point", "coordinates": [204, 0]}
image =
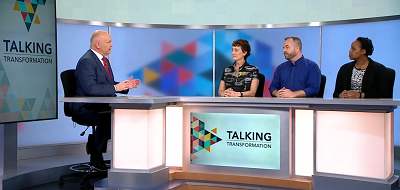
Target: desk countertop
{"type": "Point", "coordinates": [286, 102]}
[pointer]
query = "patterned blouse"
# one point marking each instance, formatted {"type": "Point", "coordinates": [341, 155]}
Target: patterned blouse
{"type": "Point", "coordinates": [242, 82]}
{"type": "Point", "coordinates": [357, 78]}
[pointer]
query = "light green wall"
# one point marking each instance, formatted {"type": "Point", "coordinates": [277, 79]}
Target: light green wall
{"type": "Point", "coordinates": [224, 12]}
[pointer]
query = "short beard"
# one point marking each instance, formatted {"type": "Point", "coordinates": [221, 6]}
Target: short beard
{"type": "Point", "coordinates": [291, 56]}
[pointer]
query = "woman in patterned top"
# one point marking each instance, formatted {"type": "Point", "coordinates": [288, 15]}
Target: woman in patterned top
{"type": "Point", "coordinates": [240, 79]}
{"type": "Point", "coordinates": [363, 77]}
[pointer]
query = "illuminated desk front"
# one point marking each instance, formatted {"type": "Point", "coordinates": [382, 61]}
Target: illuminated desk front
{"type": "Point", "coordinates": [333, 141]}
{"type": "Point", "coordinates": [138, 140]}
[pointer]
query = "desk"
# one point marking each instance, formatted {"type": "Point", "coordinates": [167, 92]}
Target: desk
{"type": "Point", "coordinates": [309, 134]}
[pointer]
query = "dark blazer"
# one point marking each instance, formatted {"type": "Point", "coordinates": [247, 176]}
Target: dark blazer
{"type": "Point", "coordinates": [375, 82]}
{"type": "Point", "coordinates": [92, 80]}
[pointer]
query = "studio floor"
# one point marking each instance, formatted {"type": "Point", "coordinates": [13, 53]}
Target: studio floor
{"type": "Point", "coordinates": [43, 174]}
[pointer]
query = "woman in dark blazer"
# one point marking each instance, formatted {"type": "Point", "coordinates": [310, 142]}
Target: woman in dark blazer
{"type": "Point", "coordinates": [363, 77]}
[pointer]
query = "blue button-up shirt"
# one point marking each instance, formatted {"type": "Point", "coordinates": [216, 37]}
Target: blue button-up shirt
{"type": "Point", "coordinates": [304, 75]}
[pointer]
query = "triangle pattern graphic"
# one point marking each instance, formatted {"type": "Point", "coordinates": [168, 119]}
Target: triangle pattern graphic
{"type": "Point", "coordinates": [20, 102]}
{"type": "Point", "coordinates": [43, 107]}
{"type": "Point", "coordinates": [31, 102]}
{"type": "Point", "coordinates": [28, 10]}
{"type": "Point", "coordinates": [20, 118]}
{"type": "Point", "coordinates": [24, 15]}
{"type": "Point", "coordinates": [4, 80]}
{"type": "Point", "coordinates": [16, 7]}
{"type": "Point", "coordinates": [21, 6]}
{"type": "Point", "coordinates": [5, 108]}
{"type": "Point", "coordinates": [28, 25]}
{"type": "Point", "coordinates": [44, 114]}
{"type": "Point", "coordinates": [42, 2]}
{"type": "Point", "coordinates": [150, 75]}
{"type": "Point", "coordinates": [47, 101]}
{"type": "Point", "coordinates": [30, 116]}
{"type": "Point", "coordinates": [13, 105]}
{"type": "Point", "coordinates": [184, 75]}
{"type": "Point", "coordinates": [47, 95]}
{"type": "Point", "coordinates": [167, 48]}
{"type": "Point", "coordinates": [34, 5]}
{"type": "Point", "coordinates": [195, 119]}
{"type": "Point", "coordinates": [52, 106]}
{"type": "Point", "coordinates": [214, 130]}
{"type": "Point", "coordinates": [201, 138]}
{"type": "Point", "coordinates": [10, 95]}
{"type": "Point", "coordinates": [166, 66]}
{"type": "Point", "coordinates": [47, 108]}
{"type": "Point", "coordinates": [191, 48]}
{"type": "Point", "coordinates": [177, 67]}
{"type": "Point", "coordinates": [25, 107]}
{"type": "Point", "coordinates": [28, 19]}
{"type": "Point", "coordinates": [25, 115]}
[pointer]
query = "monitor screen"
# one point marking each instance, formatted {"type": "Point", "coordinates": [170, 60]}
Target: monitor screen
{"type": "Point", "coordinates": [235, 140]}
{"type": "Point", "coordinates": [28, 60]}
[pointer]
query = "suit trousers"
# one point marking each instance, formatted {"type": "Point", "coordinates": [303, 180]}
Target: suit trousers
{"type": "Point", "coordinates": [103, 126]}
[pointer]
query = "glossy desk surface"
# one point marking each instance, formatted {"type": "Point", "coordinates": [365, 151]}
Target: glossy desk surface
{"type": "Point", "coordinates": [282, 102]}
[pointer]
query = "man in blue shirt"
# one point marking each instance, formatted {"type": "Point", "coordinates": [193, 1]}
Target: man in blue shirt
{"type": "Point", "coordinates": [297, 77]}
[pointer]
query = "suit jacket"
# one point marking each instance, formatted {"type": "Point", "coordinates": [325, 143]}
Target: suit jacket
{"type": "Point", "coordinates": [375, 83]}
{"type": "Point", "coordinates": [92, 80]}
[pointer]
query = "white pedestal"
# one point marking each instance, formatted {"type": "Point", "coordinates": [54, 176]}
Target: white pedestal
{"type": "Point", "coordinates": [138, 148]}
{"type": "Point", "coordinates": [354, 148]}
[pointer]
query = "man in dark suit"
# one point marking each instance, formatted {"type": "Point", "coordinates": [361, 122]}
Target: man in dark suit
{"type": "Point", "coordinates": [94, 77]}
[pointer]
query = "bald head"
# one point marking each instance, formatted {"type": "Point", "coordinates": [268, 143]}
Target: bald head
{"type": "Point", "coordinates": [97, 36]}
{"type": "Point", "coordinates": [101, 42]}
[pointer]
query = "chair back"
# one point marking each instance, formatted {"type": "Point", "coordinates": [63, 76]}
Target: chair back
{"type": "Point", "coordinates": [260, 88]}
{"type": "Point", "coordinates": [322, 87]}
{"type": "Point", "coordinates": [392, 76]}
{"type": "Point", "coordinates": [69, 84]}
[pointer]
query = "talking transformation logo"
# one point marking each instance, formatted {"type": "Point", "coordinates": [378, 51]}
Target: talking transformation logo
{"type": "Point", "coordinates": [28, 11]}
{"type": "Point", "coordinates": [200, 138]}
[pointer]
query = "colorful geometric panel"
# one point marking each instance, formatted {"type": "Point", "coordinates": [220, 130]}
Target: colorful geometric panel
{"type": "Point", "coordinates": [200, 138]}
{"type": "Point", "coordinates": [28, 11]}
{"type": "Point", "coordinates": [180, 70]}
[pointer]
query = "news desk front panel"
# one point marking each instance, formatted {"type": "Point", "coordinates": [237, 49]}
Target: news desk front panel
{"type": "Point", "coordinates": [326, 139]}
{"type": "Point", "coordinates": [349, 139]}
{"type": "Point", "coordinates": [250, 141]}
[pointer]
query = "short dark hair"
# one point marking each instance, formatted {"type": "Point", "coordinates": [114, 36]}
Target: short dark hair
{"type": "Point", "coordinates": [366, 44]}
{"type": "Point", "coordinates": [296, 41]}
{"type": "Point", "coordinates": [244, 44]}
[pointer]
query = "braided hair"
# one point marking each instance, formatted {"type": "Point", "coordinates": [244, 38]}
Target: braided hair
{"type": "Point", "coordinates": [366, 44]}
